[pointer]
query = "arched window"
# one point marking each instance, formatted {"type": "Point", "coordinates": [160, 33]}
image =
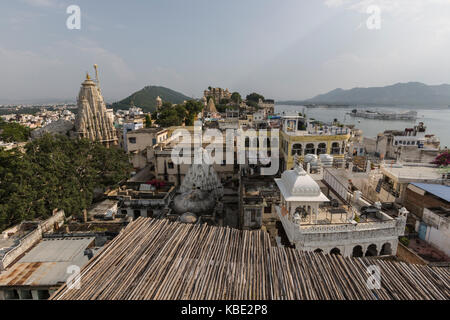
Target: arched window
{"type": "Point", "coordinates": [297, 149]}
{"type": "Point", "coordinates": [335, 148]}
{"type": "Point", "coordinates": [335, 251]}
{"type": "Point", "coordinates": [318, 250]}
{"type": "Point", "coordinates": [357, 252]}
{"type": "Point", "coordinates": [310, 149]}
{"type": "Point", "coordinates": [371, 251]}
{"type": "Point", "coordinates": [322, 148]}
{"type": "Point", "coordinates": [386, 249]}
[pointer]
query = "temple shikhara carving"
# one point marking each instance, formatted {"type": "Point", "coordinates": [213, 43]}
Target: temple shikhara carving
{"type": "Point", "coordinates": [94, 121]}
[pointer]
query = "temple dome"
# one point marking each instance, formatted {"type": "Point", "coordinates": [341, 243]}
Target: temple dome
{"type": "Point", "coordinates": [299, 183]}
{"type": "Point", "coordinates": [197, 202]}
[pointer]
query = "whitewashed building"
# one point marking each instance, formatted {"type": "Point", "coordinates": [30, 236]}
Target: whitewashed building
{"type": "Point", "coordinates": [312, 223]}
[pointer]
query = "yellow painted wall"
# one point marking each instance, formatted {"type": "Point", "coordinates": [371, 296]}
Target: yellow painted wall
{"type": "Point", "coordinates": [289, 159]}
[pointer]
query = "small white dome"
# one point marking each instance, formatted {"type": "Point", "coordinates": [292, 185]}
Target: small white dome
{"type": "Point", "coordinates": [299, 183]}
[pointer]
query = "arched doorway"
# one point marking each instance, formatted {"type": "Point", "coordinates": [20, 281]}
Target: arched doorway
{"type": "Point", "coordinates": [335, 148]}
{"type": "Point", "coordinates": [335, 251]}
{"type": "Point", "coordinates": [310, 149]}
{"type": "Point", "coordinates": [386, 249]}
{"type": "Point", "coordinates": [322, 148]}
{"type": "Point", "coordinates": [371, 251]}
{"type": "Point", "coordinates": [357, 252]}
{"type": "Point", "coordinates": [318, 250]}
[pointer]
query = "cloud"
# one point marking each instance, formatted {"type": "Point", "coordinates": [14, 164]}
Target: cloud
{"type": "Point", "coordinates": [41, 3]}
{"type": "Point", "coordinates": [56, 71]}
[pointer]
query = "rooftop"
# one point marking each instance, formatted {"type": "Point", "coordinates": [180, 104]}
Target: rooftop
{"type": "Point", "coordinates": [438, 190]}
{"type": "Point", "coordinates": [408, 173]}
{"type": "Point", "coordinates": [47, 263]}
{"type": "Point", "coordinates": [159, 260]}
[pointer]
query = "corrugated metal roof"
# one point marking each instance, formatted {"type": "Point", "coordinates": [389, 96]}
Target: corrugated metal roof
{"type": "Point", "coordinates": [47, 263]}
{"type": "Point", "coordinates": [438, 190]}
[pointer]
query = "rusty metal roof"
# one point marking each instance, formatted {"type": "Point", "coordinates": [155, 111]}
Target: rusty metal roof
{"type": "Point", "coordinates": [47, 263]}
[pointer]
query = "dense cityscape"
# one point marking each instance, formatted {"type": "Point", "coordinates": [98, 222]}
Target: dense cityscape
{"type": "Point", "coordinates": [226, 194]}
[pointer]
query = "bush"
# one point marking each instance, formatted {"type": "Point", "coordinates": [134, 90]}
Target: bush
{"type": "Point", "coordinates": [404, 241]}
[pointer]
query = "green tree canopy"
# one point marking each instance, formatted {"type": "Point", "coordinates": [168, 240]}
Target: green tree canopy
{"type": "Point", "coordinates": [176, 115]}
{"type": "Point", "coordinates": [254, 97]}
{"type": "Point", "coordinates": [56, 172]}
{"type": "Point", "coordinates": [148, 120]}
{"type": "Point", "coordinates": [13, 132]}
{"type": "Point", "coordinates": [236, 97]}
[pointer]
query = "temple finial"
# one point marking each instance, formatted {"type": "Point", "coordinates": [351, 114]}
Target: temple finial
{"type": "Point", "coordinates": [96, 74]}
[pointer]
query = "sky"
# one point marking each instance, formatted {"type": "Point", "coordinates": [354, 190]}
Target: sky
{"type": "Point", "coordinates": [283, 49]}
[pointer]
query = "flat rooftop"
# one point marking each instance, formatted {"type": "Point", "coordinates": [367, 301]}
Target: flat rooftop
{"type": "Point", "coordinates": [412, 173]}
{"type": "Point", "coordinates": [47, 263]}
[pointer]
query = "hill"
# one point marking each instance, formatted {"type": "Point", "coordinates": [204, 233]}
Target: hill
{"type": "Point", "coordinates": [400, 94]}
{"type": "Point", "coordinates": [146, 98]}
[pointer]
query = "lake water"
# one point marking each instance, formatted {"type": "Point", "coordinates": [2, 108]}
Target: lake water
{"type": "Point", "coordinates": [437, 121]}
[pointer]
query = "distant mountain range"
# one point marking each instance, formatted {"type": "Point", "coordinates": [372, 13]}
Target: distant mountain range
{"type": "Point", "coordinates": [146, 98]}
{"type": "Point", "coordinates": [413, 94]}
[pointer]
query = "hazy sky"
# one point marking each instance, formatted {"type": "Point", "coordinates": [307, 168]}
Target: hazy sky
{"type": "Point", "coordinates": [284, 49]}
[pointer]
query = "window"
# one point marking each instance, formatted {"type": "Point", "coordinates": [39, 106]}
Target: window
{"type": "Point", "coordinates": [43, 294]}
{"type": "Point", "coordinates": [11, 295]}
{"type": "Point", "coordinates": [297, 149]}
{"type": "Point", "coordinates": [268, 209]}
{"type": "Point", "coordinates": [170, 165]}
{"type": "Point", "coordinates": [310, 148]}
{"type": "Point", "coordinates": [132, 140]}
{"type": "Point", "coordinates": [322, 148]}
{"type": "Point", "coordinates": [335, 148]}
{"type": "Point", "coordinates": [253, 216]}
{"type": "Point", "coordinates": [26, 294]}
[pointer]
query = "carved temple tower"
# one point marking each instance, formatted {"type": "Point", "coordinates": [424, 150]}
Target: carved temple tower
{"type": "Point", "coordinates": [93, 121]}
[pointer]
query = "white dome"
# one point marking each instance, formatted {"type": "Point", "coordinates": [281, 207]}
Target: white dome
{"type": "Point", "coordinates": [299, 183]}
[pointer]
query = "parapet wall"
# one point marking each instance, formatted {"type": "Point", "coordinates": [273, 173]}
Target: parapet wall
{"type": "Point", "coordinates": [31, 239]}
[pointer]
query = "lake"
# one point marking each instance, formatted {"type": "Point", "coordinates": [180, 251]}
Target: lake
{"type": "Point", "coordinates": [437, 121]}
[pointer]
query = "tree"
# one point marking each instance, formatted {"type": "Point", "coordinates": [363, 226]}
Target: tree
{"type": "Point", "coordinates": [13, 132]}
{"type": "Point", "coordinates": [254, 97]}
{"type": "Point", "coordinates": [148, 120]}
{"type": "Point", "coordinates": [443, 159]}
{"type": "Point", "coordinates": [236, 97]}
{"type": "Point", "coordinates": [56, 172]}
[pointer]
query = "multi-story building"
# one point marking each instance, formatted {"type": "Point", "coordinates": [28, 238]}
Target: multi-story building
{"type": "Point", "coordinates": [217, 94]}
{"type": "Point", "coordinates": [313, 223]}
{"type": "Point", "coordinates": [410, 145]}
{"type": "Point", "coordinates": [300, 136]}
{"type": "Point", "coordinates": [140, 142]}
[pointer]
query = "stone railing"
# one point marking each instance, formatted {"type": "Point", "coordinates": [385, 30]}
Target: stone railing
{"type": "Point", "coordinates": [364, 226]}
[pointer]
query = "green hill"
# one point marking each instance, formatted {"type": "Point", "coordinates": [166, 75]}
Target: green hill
{"type": "Point", "coordinates": [146, 98]}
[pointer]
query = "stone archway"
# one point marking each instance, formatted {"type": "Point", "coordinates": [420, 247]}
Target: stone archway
{"type": "Point", "coordinates": [386, 249]}
{"type": "Point", "coordinates": [372, 251]}
{"type": "Point", "coordinates": [335, 251]}
{"type": "Point", "coordinates": [357, 252]}
{"type": "Point", "coordinates": [318, 250]}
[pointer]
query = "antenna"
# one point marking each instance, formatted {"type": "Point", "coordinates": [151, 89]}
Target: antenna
{"type": "Point", "coordinates": [96, 74]}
